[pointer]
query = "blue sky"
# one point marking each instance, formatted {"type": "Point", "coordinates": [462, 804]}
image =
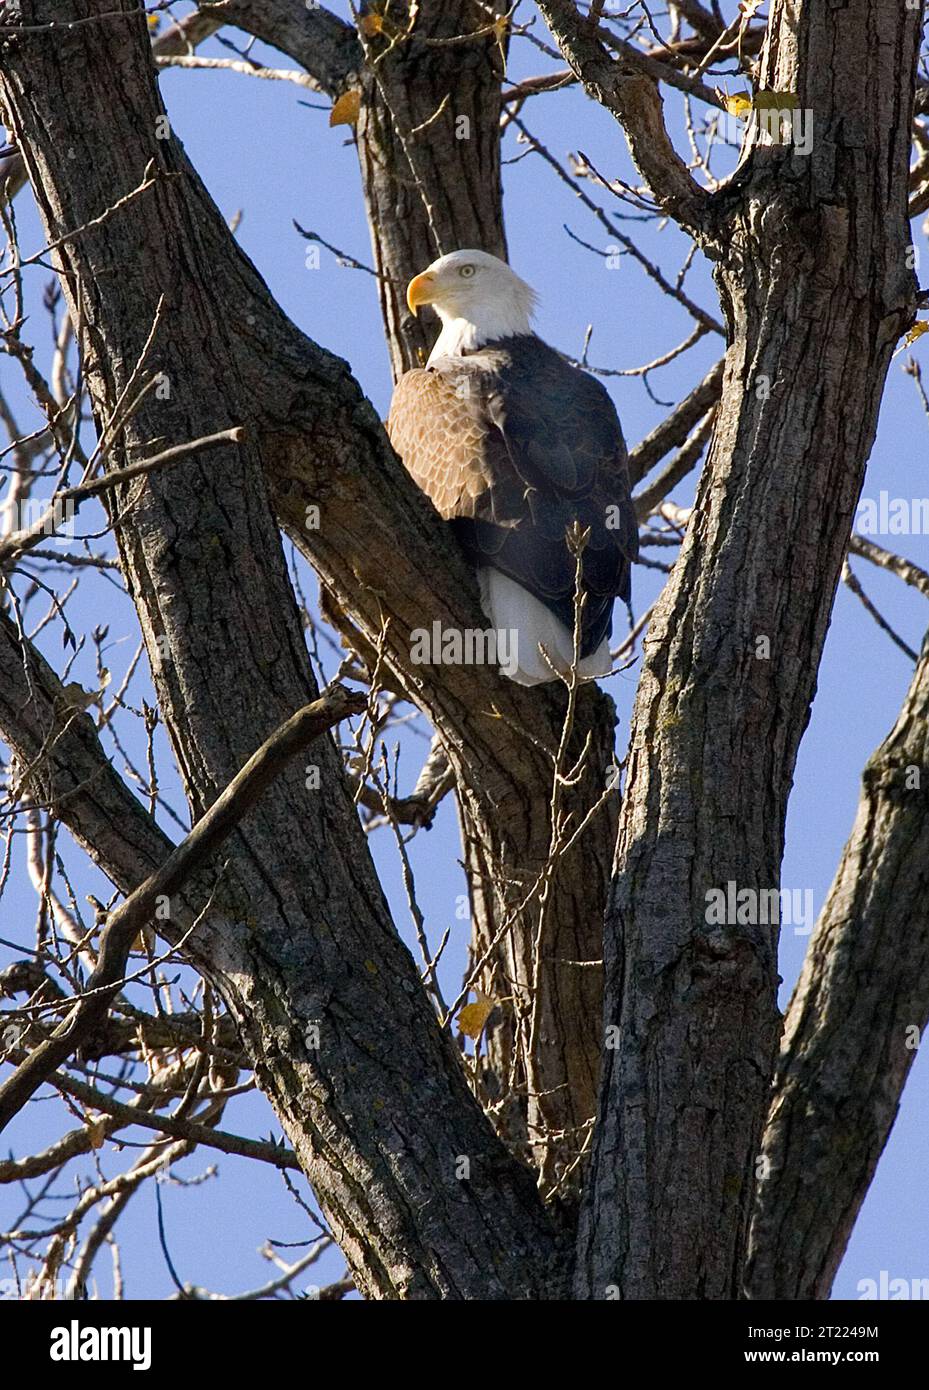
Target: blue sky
{"type": "Point", "coordinates": [263, 153]}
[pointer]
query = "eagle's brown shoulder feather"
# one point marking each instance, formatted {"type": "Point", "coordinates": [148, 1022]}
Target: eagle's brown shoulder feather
{"type": "Point", "coordinates": [513, 443]}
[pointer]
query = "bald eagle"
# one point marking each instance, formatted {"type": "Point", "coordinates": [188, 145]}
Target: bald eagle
{"type": "Point", "coordinates": [513, 444]}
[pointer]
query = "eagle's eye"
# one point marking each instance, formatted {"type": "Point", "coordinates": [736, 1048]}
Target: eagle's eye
{"type": "Point", "coordinates": [466, 271]}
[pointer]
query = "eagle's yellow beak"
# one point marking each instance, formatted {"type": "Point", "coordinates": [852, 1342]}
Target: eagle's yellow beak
{"type": "Point", "coordinates": [419, 290]}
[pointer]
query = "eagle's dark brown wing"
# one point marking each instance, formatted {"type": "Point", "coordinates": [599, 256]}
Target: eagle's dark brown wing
{"type": "Point", "coordinates": [513, 444]}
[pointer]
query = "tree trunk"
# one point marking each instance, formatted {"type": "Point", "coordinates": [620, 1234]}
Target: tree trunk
{"type": "Point", "coordinates": [431, 181]}
{"type": "Point", "coordinates": [812, 269]}
{"type": "Point", "coordinates": [812, 265]}
{"type": "Point", "coordinates": [854, 1024]}
{"type": "Point", "coordinates": [421, 1196]}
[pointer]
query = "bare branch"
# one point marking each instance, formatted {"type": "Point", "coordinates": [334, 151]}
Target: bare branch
{"type": "Point", "coordinates": [300, 79]}
{"type": "Point", "coordinates": [21, 541]}
{"type": "Point", "coordinates": [633, 99]}
{"type": "Point", "coordinates": [851, 582]}
{"type": "Point", "coordinates": [675, 428]}
{"type": "Point", "coordinates": [324, 45]}
{"type": "Point", "coordinates": [277, 1155]}
{"type": "Point", "coordinates": [854, 1024]}
{"type": "Point", "coordinates": [904, 569]}
{"type": "Point", "coordinates": [125, 924]}
{"type": "Point", "coordinates": [682, 464]}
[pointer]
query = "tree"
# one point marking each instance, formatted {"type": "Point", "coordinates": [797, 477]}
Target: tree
{"type": "Point", "coordinates": [218, 423]}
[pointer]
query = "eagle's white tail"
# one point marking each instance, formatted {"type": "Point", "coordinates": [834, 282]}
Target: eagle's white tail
{"type": "Point", "coordinates": [527, 622]}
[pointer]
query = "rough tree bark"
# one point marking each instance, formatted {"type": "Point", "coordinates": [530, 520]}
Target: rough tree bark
{"type": "Point", "coordinates": [427, 134]}
{"type": "Point", "coordinates": [503, 779]}
{"type": "Point", "coordinates": [811, 265]}
{"type": "Point", "coordinates": [428, 142]}
{"type": "Point", "coordinates": [203, 562]}
{"type": "Point", "coordinates": [854, 1024]}
{"type": "Point", "coordinates": [429, 152]}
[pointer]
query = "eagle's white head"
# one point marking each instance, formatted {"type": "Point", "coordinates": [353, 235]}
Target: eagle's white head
{"type": "Point", "coordinates": [477, 297]}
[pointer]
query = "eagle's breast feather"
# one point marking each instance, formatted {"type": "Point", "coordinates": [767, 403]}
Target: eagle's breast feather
{"type": "Point", "coordinates": [513, 444]}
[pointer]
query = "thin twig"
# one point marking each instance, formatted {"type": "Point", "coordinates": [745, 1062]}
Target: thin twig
{"type": "Point", "coordinates": [208, 834]}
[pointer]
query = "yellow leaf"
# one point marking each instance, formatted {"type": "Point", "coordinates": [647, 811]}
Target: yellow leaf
{"type": "Point", "coordinates": [145, 941]}
{"type": "Point", "coordinates": [371, 24]}
{"type": "Point", "coordinates": [97, 1132]}
{"type": "Point", "coordinates": [472, 1017]}
{"type": "Point", "coordinates": [500, 27]}
{"type": "Point", "coordinates": [154, 21]}
{"type": "Point", "coordinates": [346, 110]}
{"type": "Point", "coordinates": [738, 105]}
{"type": "Point", "coordinates": [917, 331]}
